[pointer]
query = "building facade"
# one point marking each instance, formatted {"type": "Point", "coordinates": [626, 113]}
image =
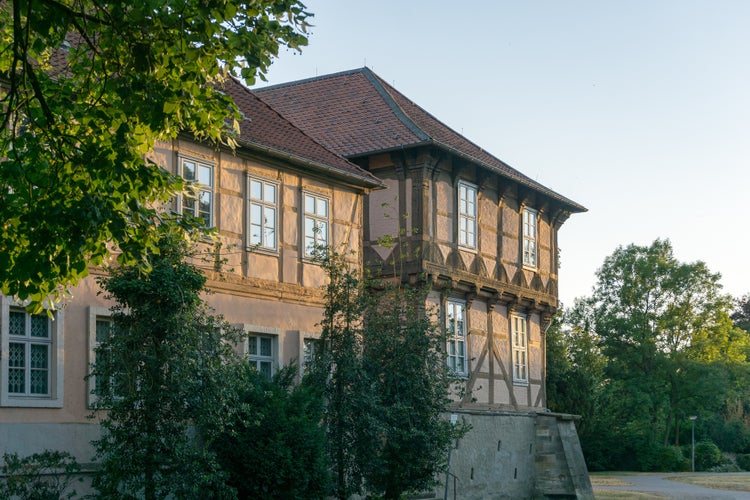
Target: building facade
{"type": "Point", "coordinates": [483, 236]}
{"type": "Point", "coordinates": [270, 200]}
{"type": "Point", "coordinates": [346, 161]}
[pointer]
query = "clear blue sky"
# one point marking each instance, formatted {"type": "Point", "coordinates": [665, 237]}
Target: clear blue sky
{"type": "Point", "coordinates": [637, 109]}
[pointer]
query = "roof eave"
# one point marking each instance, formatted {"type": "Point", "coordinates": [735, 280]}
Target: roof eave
{"type": "Point", "coordinates": [569, 204]}
{"type": "Point", "coordinates": [360, 180]}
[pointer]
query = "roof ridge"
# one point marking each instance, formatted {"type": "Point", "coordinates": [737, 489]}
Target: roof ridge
{"type": "Point", "coordinates": [303, 81]}
{"type": "Point", "coordinates": [400, 113]}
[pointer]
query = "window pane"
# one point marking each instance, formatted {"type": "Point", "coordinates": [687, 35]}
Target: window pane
{"type": "Point", "coordinates": [266, 368]}
{"type": "Point", "coordinates": [205, 175]}
{"type": "Point", "coordinates": [253, 345]}
{"type": "Point", "coordinates": [270, 237]}
{"type": "Point", "coordinates": [322, 233]}
{"type": "Point", "coordinates": [270, 217]}
{"type": "Point", "coordinates": [188, 170]}
{"type": "Point", "coordinates": [309, 204]}
{"type": "Point", "coordinates": [270, 193]}
{"type": "Point", "coordinates": [309, 245]}
{"type": "Point", "coordinates": [309, 228]}
{"type": "Point", "coordinates": [255, 234]}
{"type": "Point", "coordinates": [265, 346]}
{"type": "Point", "coordinates": [40, 326]}
{"type": "Point", "coordinates": [256, 190]}
{"type": "Point", "coordinates": [322, 208]}
{"type": "Point", "coordinates": [39, 369]}
{"type": "Point", "coordinates": [16, 355]}
{"type": "Point", "coordinates": [256, 215]}
{"type": "Point", "coordinates": [16, 370]}
{"type": "Point", "coordinates": [188, 204]}
{"type": "Point", "coordinates": [103, 327]}
{"type": "Point", "coordinates": [17, 323]}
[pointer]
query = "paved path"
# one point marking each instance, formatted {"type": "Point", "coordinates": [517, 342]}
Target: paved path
{"type": "Point", "coordinates": [658, 484]}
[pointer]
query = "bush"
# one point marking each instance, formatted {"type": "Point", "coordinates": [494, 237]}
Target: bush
{"type": "Point", "coordinates": [707, 455]}
{"type": "Point", "coordinates": [275, 448]}
{"type": "Point", "coordinates": [743, 461]}
{"type": "Point", "coordinates": [41, 476]}
{"type": "Point", "coordinates": [671, 459]}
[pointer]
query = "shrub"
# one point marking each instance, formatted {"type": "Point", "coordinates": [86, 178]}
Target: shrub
{"type": "Point", "coordinates": [743, 461]}
{"type": "Point", "coordinates": [707, 455]}
{"type": "Point", "coordinates": [275, 447]}
{"type": "Point", "coordinates": [671, 459]}
{"type": "Point", "coordinates": [41, 476]}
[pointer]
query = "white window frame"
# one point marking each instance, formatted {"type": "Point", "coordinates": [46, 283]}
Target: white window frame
{"type": "Point", "coordinates": [54, 398]}
{"type": "Point", "coordinates": [456, 339]}
{"type": "Point", "coordinates": [519, 328]}
{"type": "Point", "coordinates": [263, 205]}
{"type": "Point", "coordinates": [203, 189]}
{"type": "Point", "coordinates": [530, 229]}
{"type": "Point", "coordinates": [317, 220]}
{"type": "Point", "coordinates": [304, 337]}
{"type": "Point", "coordinates": [258, 331]}
{"type": "Point", "coordinates": [468, 198]}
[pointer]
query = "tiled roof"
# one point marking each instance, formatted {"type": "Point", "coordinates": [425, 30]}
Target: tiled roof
{"type": "Point", "coordinates": [356, 113]}
{"type": "Point", "coordinates": [265, 129]}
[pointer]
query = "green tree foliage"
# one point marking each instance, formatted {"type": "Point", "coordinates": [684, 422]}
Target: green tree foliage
{"type": "Point", "coordinates": [404, 357]}
{"type": "Point", "coordinates": [86, 90]}
{"type": "Point", "coordinates": [350, 411]}
{"type": "Point", "coordinates": [741, 314]}
{"type": "Point", "coordinates": [41, 476]}
{"type": "Point", "coordinates": [386, 384]}
{"type": "Point", "coordinates": [661, 346]}
{"type": "Point", "coordinates": [274, 447]}
{"type": "Point", "coordinates": [162, 374]}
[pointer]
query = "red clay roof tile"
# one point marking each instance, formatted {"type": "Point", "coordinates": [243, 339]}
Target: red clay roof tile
{"type": "Point", "coordinates": [356, 113]}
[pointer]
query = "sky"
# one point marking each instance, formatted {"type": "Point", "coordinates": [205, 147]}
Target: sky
{"type": "Point", "coordinates": [637, 109]}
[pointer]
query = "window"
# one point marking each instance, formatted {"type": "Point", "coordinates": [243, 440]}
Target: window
{"type": "Point", "coordinates": [199, 203]}
{"type": "Point", "coordinates": [101, 328]}
{"type": "Point", "coordinates": [467, 215]}
{"type": "Point", "coordinates": [520, 359]}
{"type": "Point", "coordinates": [32, 369]}
{"type": "Point", "coordinates": [260, 353]}
{"type": "Point", "coordinates": [529, 237]}
{"type": "Point", "coordinates": [316, 224]}
{"type": "Point", "coordinates": [310, 348]}
{"type": "Point", "coordinates": [455, 326]}
{"type": "Point", "coordinates": [263, 210]}
{"type": "Point", "coordinates": [262, 348]}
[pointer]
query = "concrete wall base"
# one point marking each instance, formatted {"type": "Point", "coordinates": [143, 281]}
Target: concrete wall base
{"type": "Point", "coordinates": [512, 455]}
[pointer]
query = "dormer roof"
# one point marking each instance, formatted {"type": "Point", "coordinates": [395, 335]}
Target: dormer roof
{"type": "Point", "coordinates": [356, 113]}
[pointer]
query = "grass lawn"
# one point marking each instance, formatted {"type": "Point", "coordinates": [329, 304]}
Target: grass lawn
{"type": "Point", "coordinates": [739, 482]}
{"type": "Point", "coordinates": [622, 495]}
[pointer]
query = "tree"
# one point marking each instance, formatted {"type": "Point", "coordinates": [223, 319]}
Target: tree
{"type": "Point", "coordinates": [387, 385]}
{"type": "Point", "coordinates": [741, 315]}
{"type": "Point", "coordinates": [656, 317]}
{"type": "Point", "coordinates": [87, 88]}
{"type": "Point", "coordinates": [275, 445]}
{"type": "Point", "coordinates": [404, 357]}
{"type": "Point", "coordinates": [162, 374]}
{"type": "Point", "coordinates": [350, 415]}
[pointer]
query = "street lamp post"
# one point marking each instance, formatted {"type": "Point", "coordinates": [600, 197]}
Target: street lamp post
{"type": "Point", "coordinates": [692, 433]}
